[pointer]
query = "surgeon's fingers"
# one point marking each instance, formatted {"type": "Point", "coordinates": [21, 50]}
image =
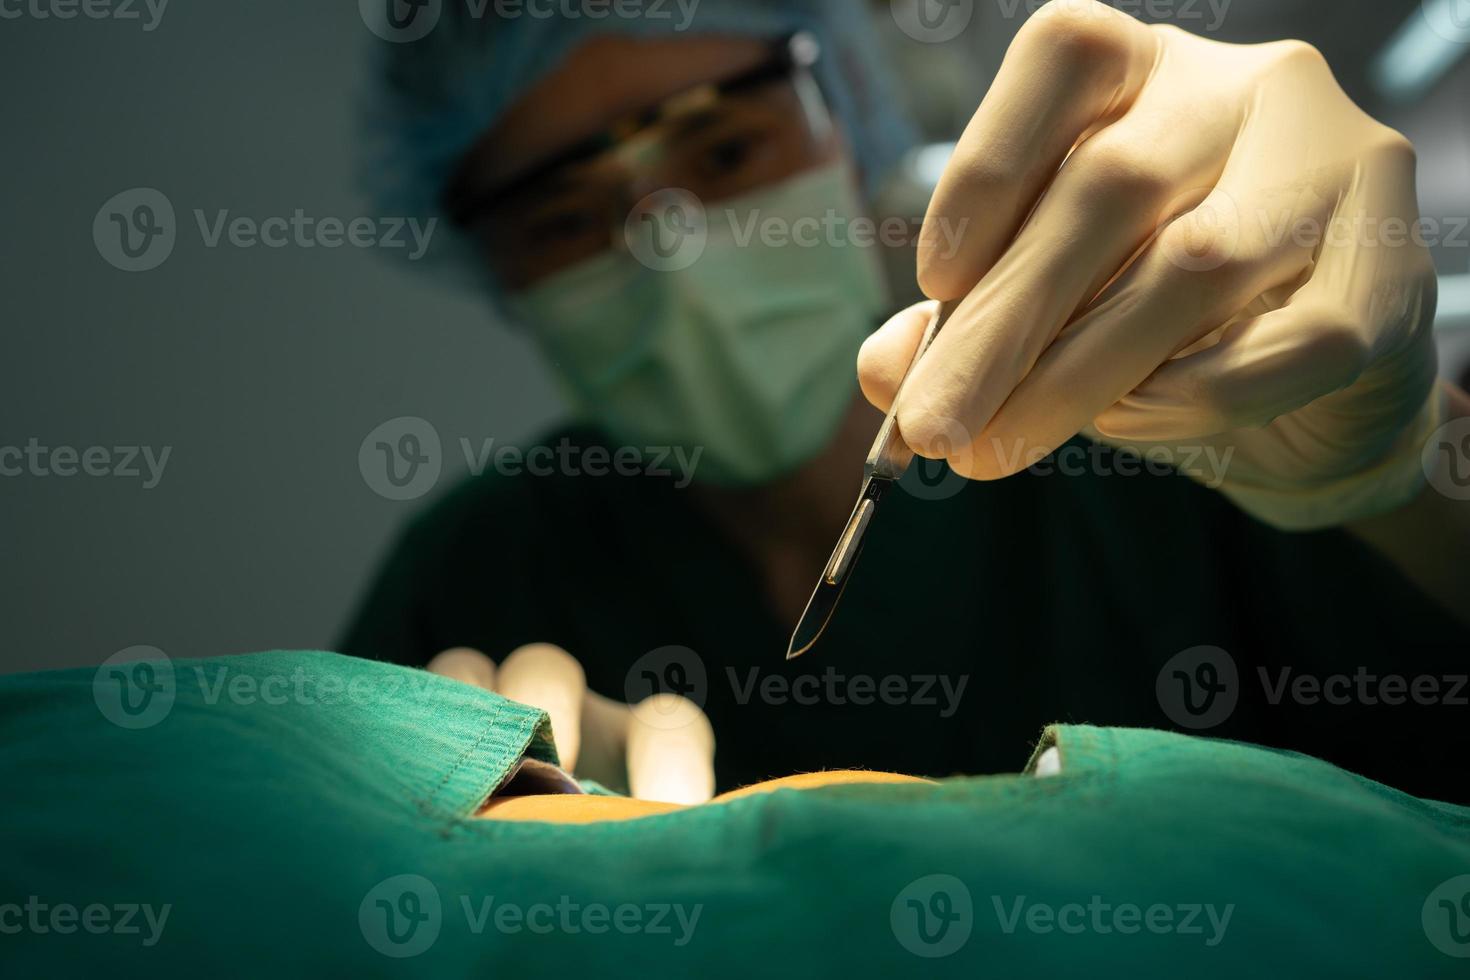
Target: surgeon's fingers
{"type": "Point", "coordinates": [466, 665]}
{"type": "Point", "coordinates": [604, 752]}
{"type": "Point", "coordinates": [1363, 295]}
{"type": "Point", "coordinates": [888, 351]}
{"type": "Point", "coordinates": [1073, 66]}
{"type": "Point", "coordinates": [1261, 369]}
{"type": "Point", "coordinates": [1185, 284]}
{"type": "Point", "coordinates": [549, 678]}
{"type": "Point", "coordinates": [671, 751]}
{"type": "Point", "coordinates": [1102, 207]}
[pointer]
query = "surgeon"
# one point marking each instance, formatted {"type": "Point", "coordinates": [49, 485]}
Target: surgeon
{"type": "Point", "coordinates": [1186, 404]}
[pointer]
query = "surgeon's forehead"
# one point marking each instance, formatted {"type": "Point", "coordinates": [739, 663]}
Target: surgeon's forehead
{"type": "Point", "coordinates": [600, 81]}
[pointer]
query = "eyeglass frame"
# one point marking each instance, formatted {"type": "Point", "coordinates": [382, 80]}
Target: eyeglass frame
{"type": "Point", "coordinates": [793, 57]}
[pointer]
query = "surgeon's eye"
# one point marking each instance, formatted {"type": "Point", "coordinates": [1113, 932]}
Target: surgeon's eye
{"type": "Point", "coordinates": [728, 156]}
{"type": "Point", "coordinates": [728, 162]}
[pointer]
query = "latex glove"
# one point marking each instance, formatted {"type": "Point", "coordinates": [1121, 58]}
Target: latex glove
{"type": "Point", "coordinates": [660, 749]}
{"type": "Point", "coordinates": [1284, 318]}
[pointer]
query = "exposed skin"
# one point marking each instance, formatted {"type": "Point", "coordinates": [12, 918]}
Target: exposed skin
{"type": "Point", "coordinates": [664, 742]}
{"type": "Point", "coordinates": [596, 809]}
{"type": "Point", "coordinates": [594, 85]}
{"type": "Point", "coordinates": [1426, 538]}
{"type": "Point", "coordinates": [785, 528]}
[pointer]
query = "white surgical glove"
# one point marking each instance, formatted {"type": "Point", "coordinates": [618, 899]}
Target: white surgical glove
{"type": "Point", "coordinates": [1181, 246]}
{"type": "Point", "coordinates": [662, 748]}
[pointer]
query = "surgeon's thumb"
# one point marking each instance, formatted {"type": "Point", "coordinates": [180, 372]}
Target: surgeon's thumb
{"type": "Point", "coordinates": [886, 354]}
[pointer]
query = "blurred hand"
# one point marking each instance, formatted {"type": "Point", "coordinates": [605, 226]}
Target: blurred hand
{"type": "Point", "coordinates": [662, 749]}
{"type": "Point", "coordinates": [1180, 246]}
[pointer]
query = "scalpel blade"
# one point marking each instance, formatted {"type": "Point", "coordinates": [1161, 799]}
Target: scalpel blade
{"type": "Point", "coordinates": [887, 462]}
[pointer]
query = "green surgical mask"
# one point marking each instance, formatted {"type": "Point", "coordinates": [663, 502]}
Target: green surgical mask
{"type": "Point", "coordinates": [748, 354]}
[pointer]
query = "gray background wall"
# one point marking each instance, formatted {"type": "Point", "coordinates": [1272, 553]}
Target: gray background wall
{"type": "Point", "coordinates": [263, 369]}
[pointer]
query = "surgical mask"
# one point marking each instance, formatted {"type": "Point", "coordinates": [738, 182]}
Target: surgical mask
{"type": "Point", "coordinates": [748, 354]}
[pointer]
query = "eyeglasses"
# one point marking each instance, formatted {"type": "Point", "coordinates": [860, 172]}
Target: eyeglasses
{"type": "Point", "coordinates": [715, 141]}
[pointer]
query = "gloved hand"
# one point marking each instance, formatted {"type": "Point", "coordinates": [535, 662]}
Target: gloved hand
{"type": "Point", "coordinates": [660, 749]}
{"type": "Point", "coordinates": [1175, 244]}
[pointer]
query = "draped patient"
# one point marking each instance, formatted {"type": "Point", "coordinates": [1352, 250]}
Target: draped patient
{"type": "Point", "coordinates": [661, 749]}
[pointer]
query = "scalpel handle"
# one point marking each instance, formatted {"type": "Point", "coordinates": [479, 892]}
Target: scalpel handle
{"type": "Point", "coordinates": [890, 456]}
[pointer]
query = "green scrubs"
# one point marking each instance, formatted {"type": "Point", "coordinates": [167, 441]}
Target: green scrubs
{"type": "Point", "coordinates": [980, 613]}
{"type": "Point", "coordinates": [309, 814]}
